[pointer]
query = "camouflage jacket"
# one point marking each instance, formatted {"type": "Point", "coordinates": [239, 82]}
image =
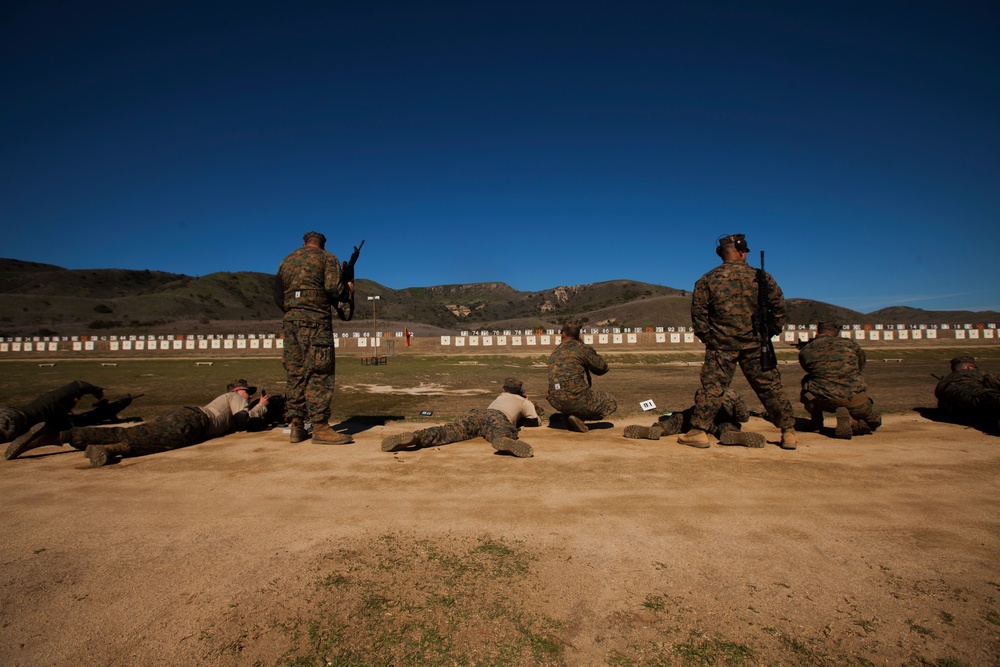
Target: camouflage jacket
{"type": "Point", "coordinates": [308, 282]}
{"type": "Point", "coordinates": [724, 302]}
{"type": "Point", "coordinates": [833, 367]}
{"type": "Point", "coordinates": [570, 367]}
{"type": "Point", "coordinates": [955, 392]}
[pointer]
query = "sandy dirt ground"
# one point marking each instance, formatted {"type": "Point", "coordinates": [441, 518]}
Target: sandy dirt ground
{"type": "Point", "coordinates": [882, 550]}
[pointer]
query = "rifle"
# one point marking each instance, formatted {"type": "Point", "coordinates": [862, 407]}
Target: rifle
{"type": "Point", "coordinates": [346, 295]}
{"type": "Point", "coordinates": [105, 412]}
{"type": "Point", "coordinates": [761, 321]}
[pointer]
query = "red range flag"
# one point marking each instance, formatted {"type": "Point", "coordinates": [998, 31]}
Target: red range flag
{"type": "Point", "coordinates": [406, 332]}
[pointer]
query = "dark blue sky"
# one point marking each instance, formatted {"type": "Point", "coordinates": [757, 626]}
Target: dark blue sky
{"type": "Point", "coordinates": [533, 144]}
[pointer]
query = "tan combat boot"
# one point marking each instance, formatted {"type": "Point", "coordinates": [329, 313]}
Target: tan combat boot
{"type": "Point", "coordinates": [39, 435]}
{"type": "Point", "coordinates": [844, 426]}
{"type": "Point", "coordinates": [518, 448]}
{"type": "Point", "coordinates": [745, 438]}
{"type": "Point", "coordinates": [324, 435]}
{"type": "Point", "coordinates": [297, 431]}
{"type": "Point", "coordinates": [102, 455]}
{"type": "Point", "coordinates": [395, 443]}
{"type": "Point", "coordinates": [576, 424]}
{"type": "Point", "coordinates": [644, 432]}
{"type": "Point", "coordinates": [695, 438]}
{"type": "Point", "coordinates": [788, 438]}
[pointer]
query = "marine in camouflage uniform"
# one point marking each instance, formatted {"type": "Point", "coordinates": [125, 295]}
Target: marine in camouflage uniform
{"type": "Point", "coordinates": [498, 424]}
{"type": "Point", "coordinates": [722, 308]}
{"type": "Point", "coordinates": [307, 288]}
{"type": "Point", "coordinates": [834, 383]}
{"type": "Point", "coordinates": [179, 428]}
{"type": "Point", "coordinates": [726, 426]}
{"type": "Point", "coordinates": [54, 406]}
{"type": "Point", "coordinates": [570, 368]}
{"type": "Point", "coordinates": [970, 396]}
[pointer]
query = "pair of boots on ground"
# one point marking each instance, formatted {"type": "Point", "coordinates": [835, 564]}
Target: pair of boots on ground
{"type": "Point", "coordinates": [410, 440]}
{"type": "Point", "coordinates": [44, 434]}
{"type": "Point", "coordinates": [729, 434]}
{"type": "Point", "coordinates": [321, 434]}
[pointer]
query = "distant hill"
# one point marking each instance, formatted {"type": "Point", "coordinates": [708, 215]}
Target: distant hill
{"type": "Point", "coordinates": [42, 299]}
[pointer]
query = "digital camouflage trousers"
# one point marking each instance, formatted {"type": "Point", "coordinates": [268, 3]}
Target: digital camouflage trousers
{"type": "Point", "coordinates": [490, 424]}
{"type": "Point", "coordinates": [590, 405]}
{"type": "Point", "coordinates": [717, 374]}
{"type": "Point", "coordinates": [310, 366]}
{"type": "Point", "coordinates": [181, 428]}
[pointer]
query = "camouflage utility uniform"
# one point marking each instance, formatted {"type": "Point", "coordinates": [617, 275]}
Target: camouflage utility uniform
{"type": "Point", "coordinates": [309, 281]}
{"type": "Point", "coordinates": [570, 368]}
{"type": "Point", "coordinates": [833, 380]}
{"type": "Point", "coordinates": [971, 397]}
{"type": "Point", "coordinates": [732, 412]}
{"type": "Point", "coordinates": [53, 407]}
{"type": "Point", "coordinates": [722, 308]}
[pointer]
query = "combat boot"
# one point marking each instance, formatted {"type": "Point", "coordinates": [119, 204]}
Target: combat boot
{"type": "Point", "coordinates": [644, 432]}
{"type": "Point", "coordinates": [576, 424]}
{"type": "Point", "coordinates": [39, 435]}
{"type": "Point", "coordinates": [788, 438]}
{"type": "Point", "coordinates": [521, 450]}
{"type": "Point", "coordinates": [745, 438]}
{"type": "Point", "coordinates": [102, 455]}
{"type": "Point", "coordinates": [297, 431]}
{"type": "Point", "coordinates": [324, 435]}
{"type": "Point", "coordinates": [695, 438]}
{"type": "Point", "coordinates": [395, 443]}
{"type": "Point", "coordinates": [844, 430]}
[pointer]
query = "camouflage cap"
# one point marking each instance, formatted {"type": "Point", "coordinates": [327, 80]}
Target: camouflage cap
{"type": "Point", "coordinates": [827, 326]}
{"type": "Point", "coordinates": [731, 239]}
{"type": "Point", "coordinates": [957, 361]}
{"type": "Point", "coordinates": [314, 235]}
{"type": "Point", "coordinates": [513, 386]}
{"type": "Point", "coordinates": [242, 384]}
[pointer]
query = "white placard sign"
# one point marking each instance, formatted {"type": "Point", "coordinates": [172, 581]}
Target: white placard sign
{"type": "Point", "coordinates": [647, 405]}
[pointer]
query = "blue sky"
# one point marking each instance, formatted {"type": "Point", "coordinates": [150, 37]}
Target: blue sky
{"type": "Point", "coordinates": [537, 144]}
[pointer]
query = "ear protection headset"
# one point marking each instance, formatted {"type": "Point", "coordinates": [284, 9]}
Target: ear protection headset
{"type": "Point", "coordinates": [738, 241]}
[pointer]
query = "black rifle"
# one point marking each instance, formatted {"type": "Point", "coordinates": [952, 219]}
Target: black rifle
{"type": "Point", "coordinates": [762, 320]}
{"type": "Point", "coordinates": [346, 296]}
{"type": "Point", "coordinates": [105, 412]}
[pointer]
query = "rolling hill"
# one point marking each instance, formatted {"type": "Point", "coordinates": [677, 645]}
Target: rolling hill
{"type": "Point", "coordinates": [42, 299]}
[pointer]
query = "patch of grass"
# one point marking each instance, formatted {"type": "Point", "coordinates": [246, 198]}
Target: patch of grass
{"type": "Point", "coordinates": [919, 629]}
{"type": "Point", "coordinates": [654, 603]}
{"type": "Point", "coordinates": [992, 617]}
{"type": "Point", "coordinates": [714, 651]}
{"type": "Point", "coordinates": [412, 603]}
{"type": "Point", "coordinates": [947, 618]}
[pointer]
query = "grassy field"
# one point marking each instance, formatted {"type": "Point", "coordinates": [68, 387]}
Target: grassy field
{"type": "Point", "coordinates": [449, 385]}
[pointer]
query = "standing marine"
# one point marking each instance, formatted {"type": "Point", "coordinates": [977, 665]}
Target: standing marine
{"type": "Point", "coordinates": [833, 383]}
{"type": "Point", "coordinates": [570, 368]}
{"type": "Point", "coordinates": [722, 310]}
{"type": "Point", "coordinates": [970, 396]}
{"type": "Point", "coordinates": [307, 287]}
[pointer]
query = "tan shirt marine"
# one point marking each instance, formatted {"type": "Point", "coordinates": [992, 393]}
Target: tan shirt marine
{"type": "Point", "coordinates": [514, 406]}
{"type": "Point", "coordinates": [222, 413]}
